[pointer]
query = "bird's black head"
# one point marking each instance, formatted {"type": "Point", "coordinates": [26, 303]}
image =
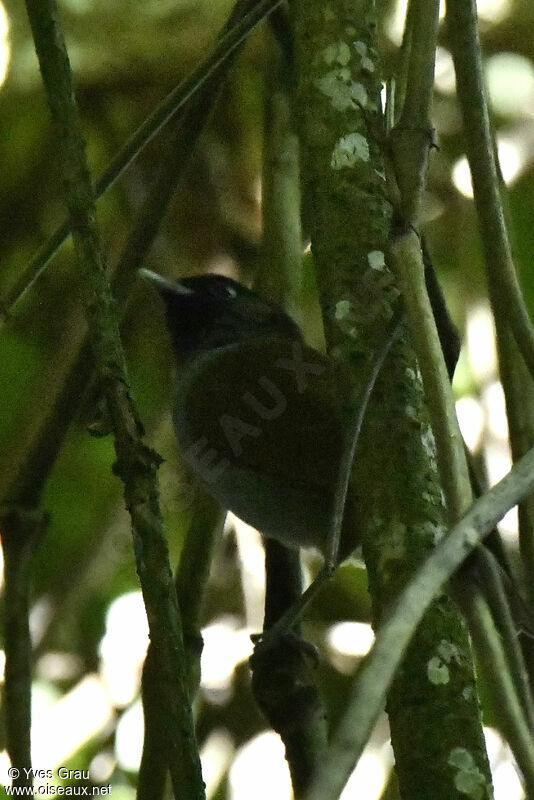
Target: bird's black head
{"type": "Point", "coordinates": [209, 311]}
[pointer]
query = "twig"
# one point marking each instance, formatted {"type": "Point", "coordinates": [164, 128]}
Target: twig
{"type": "Point", "coordinates": [411, 137]}
{"type": "Point", "coordinates": [515, 334]}
{"type": "Point", "coordinates": [174, 101]}
{"type": "Point", "coordinates": [506, 297]}
{"type": "Point", "coordinates": [352, 437]}
{"type": "Point", "coordinates": [21, 533]}
{"type": "Point", "coordinates": [136, 464]}
{"type": "Point", "coordinates": [293, 614]}
{"type": "Point", "coordinates": [495, 668]}
{"type": "Point", "coordinates": [489, 577]}
{"type": "Point", "coordinates": [283, 679]}
{"type": "Point", "coordinates": [407, 262]}
{"type": "Point", "coordinates": [192, 575]}
{"type": "Point", "coordinates": [378, 670]}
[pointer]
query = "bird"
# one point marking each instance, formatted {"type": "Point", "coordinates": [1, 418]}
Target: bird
{"type": "Point", "coordinates": [259, 415]}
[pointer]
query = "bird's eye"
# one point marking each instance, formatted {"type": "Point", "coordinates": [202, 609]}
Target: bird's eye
{"type": "Point", "coordinates": [222, 290]}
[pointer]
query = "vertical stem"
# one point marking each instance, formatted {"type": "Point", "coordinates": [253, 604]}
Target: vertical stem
{"type": "Point", "coordinates": [412, 135]}
{"type": "Point", "coordinates": [407, 261]}
{"type": "Point", "coordinates": [20, 535]}
{"type": "Point", "coordinates": [496, 671]}
{"type": "Point", "coordinates": [136, 464]}
{"type": "Point", "coordinates": [283, 683]}
{"type": "Point", "coordinates": [280, 276]}
{"type": "Point", "coordinates": [505, 293]}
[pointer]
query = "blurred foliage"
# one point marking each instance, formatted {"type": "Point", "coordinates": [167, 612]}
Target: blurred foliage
{"type": "Point", "coordinates": [126, 56]}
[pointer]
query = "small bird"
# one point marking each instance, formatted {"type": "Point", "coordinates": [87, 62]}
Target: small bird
{"type": "Point", "coordinates": [257, 413]}
{"type": "Point", "coordinates": [260, 420]}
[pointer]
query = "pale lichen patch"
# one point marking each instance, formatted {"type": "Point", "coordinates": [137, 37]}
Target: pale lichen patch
{"type": "Point", "coordinates": [437, 671]}
{"type": "Point", "coordinates": [438, 666]}
{"type": "Point", "coordinates": [338, 52]}
{"type": "Point", "coordinates": [467, 693]}
{"type": "Point", "coordinates": [411, 413]}
{"type": "Point", "coordinates": [439, 533]}
{"type": "Point", "coordinates": [396, 548]}
{"type": "Point", "coordinates": [434, 531]}
{"type": "Point", "coordinates": [342, 91]}
{"type": "Point", "coordinates": [448, 651]}
{"type": "Point", "coordinates": [376, 260]}
{"type": "Point", "coordinates": [428, 442]}
{"type": "Point", "coordinates": [468, 779]}
{"type": "Point", "coordinates": [349, 150]}
{"type": "Point", "coordinates": [342, 310]}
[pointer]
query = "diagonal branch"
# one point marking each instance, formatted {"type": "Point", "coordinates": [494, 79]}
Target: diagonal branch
{"type": "Point", "coordinates": [226, 45]}
{"type": "Point", "coordinates": [378, 670]}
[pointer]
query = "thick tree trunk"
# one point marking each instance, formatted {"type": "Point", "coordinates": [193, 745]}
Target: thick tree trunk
{"type": "Point", "coordinates": [432, 706]}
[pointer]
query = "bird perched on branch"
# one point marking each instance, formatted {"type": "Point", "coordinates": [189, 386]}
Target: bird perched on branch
{"type": "Point", "coordinates": [257, 413]}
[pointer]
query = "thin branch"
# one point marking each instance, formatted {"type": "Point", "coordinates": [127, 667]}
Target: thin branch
{"type": "Point", "coordinates": [519, 394]}
{"type": "Point", "coordinates": [280, 275]}
{"type": "Point", "coordinates": [192, 575]}
{"type": "Point", "coordinates": [175, 100]}
{"type": "Point", "coordinates": [410, 155]}
{"type": "Point", "coordinates": [154, 766]}
{"type": "Point", "coordinates": [207, 517]}
{"type": "Point", "coordinates": [378, 670]}
{"type": "Point", "coordinates": [283, 677]}
{"type": "Point", "coordinates": [352, 436]}
{"type": "Point", "coordinates": [505, 292]}
{"type": "Point", "coordinates": [511, 316]}
{"type": "Point", "coordinates": [191, 578]}
{"type": "Point", "coordinates": [136, 464]}
{"type": "Point", "coordinates": [401, 72]}
{"type": "Point", "coordinates": [412, 136]}
{"type": "Point", "coordinates": [21, 533]}
{"type": "Point", "coordinates": [495, 668]}
{"type": "Point", "coordinates": [407, 262]}
{"type": "Point", "coordinates": [182, 135]}
{"type": "Point", "coordinates": [488, 574]}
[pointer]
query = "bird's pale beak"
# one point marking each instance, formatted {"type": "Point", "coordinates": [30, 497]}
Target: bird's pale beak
{"type": "Point", "coordinates": [162, 284]}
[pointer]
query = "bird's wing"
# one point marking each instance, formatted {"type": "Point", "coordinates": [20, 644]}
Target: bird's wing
{"type": "Point", "coordinates": [277, 427]}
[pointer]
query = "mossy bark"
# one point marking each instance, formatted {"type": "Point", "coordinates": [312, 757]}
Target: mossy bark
{"type": "Point", "coordinates": [432, 706]}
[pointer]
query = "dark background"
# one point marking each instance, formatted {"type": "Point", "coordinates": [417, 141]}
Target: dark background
{"type": "Point", "coordinates": [126, 56]}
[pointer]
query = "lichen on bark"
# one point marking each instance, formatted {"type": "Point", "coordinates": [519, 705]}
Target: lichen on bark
{"type": "Point", "coordinates": [395, 478]}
